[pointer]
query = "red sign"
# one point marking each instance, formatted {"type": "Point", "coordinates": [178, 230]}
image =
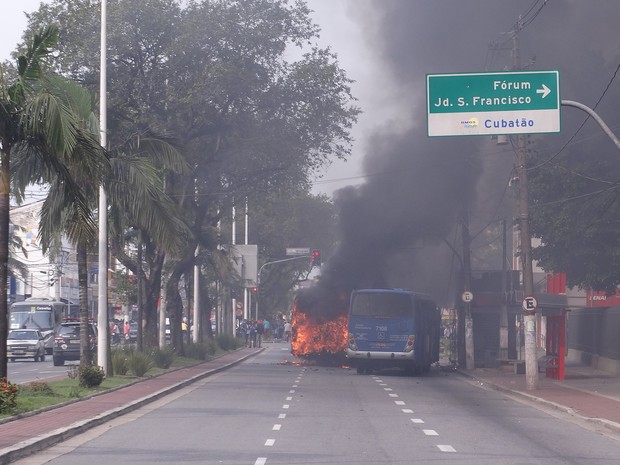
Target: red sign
{"type": "Point", "coordinates": [601, 299]}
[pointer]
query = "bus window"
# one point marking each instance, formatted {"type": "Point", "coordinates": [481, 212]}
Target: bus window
{"type": "Point", "coordinates": [31, 320]}
{"type": "Point", "coordinates": [382, 305]}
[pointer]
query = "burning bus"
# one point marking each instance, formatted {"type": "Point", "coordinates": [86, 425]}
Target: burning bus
{"type": "Point", "coordinates": [319, 326]}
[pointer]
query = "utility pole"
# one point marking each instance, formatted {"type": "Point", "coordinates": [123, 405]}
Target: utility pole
{"type": "Point", "coordinates": [529, 316]}
{"type": "Point", "coordinates": [470, 361]}
{"type": "Point", "coordinates": [503, 318]}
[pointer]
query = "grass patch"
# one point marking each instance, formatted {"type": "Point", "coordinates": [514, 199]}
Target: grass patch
{"type": "Point", "coordinates": [38, 395]}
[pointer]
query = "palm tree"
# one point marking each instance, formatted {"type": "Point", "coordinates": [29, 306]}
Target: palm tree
{"type": "Point", "coordinates": [130, 178]}
{"type": "Point", "coordinates": [72, 189]}
{"type": "Point", "coordinates": [32, 120]}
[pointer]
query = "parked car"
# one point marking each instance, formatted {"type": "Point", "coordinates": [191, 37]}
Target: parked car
{"type": "Point", "coordinates": [67, 341]}
{"type": "Point", "coordinates": [25, 343]}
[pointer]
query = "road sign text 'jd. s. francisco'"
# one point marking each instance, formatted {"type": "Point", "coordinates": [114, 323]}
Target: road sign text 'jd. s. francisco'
{"type": "Point", "coordinates": [520, 102]}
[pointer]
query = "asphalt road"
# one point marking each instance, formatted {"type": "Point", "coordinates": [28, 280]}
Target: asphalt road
{"type": "Point", "coordinates": [25, 370]}
{"type": "Point", "coordinates": [272, 410]}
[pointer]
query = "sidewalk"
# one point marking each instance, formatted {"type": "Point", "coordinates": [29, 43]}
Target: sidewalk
{"type": "Point", "coordinates": [586, 392]}
{"type": "Point", "coordinates": [32, 433]}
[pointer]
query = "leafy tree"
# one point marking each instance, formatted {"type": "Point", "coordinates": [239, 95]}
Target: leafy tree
{"type": "Point", "coordinates": [290, 220]}
{"type": "Point", "coordinates": [574, 211]}
{"type": "Point", "coordinates": [215, 74]}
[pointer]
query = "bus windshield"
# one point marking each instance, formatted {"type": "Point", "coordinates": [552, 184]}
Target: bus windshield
{"type": "Point", "coordinates": [382, 305]}
{"type": "Point", "coordinates": [42, 319]}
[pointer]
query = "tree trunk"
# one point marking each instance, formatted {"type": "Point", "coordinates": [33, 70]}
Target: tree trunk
{"type": "Point", "coordinates": [5, 181]}
{"type": "Point", "coordinates": [86, 357]}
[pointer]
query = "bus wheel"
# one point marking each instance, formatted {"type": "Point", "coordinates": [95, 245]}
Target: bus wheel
{"type": "Point", "coordinates": [58, 362]}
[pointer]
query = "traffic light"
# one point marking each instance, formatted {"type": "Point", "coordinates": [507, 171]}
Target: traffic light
{"type": "Point", "coordinates": [316, 258]}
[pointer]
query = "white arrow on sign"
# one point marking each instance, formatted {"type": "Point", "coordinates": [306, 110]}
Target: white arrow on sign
{"type": "Point", "coordinates": [544, 91]}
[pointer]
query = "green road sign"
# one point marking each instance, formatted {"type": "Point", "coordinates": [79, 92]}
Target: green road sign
{"type": "Point", "coordinates": [522, 102]}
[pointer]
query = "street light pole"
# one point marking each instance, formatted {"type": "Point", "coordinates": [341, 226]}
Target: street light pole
{"type": "Point", "coordinates": [272, 263]}
{"type": "Point", "coordinates": [102, 285]}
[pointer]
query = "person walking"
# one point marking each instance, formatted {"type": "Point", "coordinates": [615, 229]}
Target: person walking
{"type": "Point", "coordinates": [260, 330]}
{"type": "Point", "coordinates": [252, 331]}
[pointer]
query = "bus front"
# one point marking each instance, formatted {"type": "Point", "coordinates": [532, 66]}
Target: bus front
{"type": "Point", "coordinates": [42, 316]}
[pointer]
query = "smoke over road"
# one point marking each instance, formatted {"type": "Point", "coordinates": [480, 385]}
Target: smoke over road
{"type": "Point", "coordinates": [396, 227]}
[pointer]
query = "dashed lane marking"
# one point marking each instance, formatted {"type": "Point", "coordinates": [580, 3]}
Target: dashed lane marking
{"type": "Point", "coordinates": [446, 448]}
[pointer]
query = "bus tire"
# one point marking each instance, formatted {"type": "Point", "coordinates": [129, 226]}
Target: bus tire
{"type": "Point", "coordinates": [58, 362]}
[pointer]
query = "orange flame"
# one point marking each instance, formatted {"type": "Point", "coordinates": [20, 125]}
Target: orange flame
{"type": "Point", "coordinates": [313, 335]}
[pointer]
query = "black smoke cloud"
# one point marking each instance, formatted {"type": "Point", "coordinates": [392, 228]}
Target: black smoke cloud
{"type": "Point", "coordinates": [396, 228]}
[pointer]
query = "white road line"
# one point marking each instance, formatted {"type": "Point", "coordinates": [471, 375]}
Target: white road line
{"type": "Point", "coordinates": [393, 395]}
{"type": "Point", "coordinates": [261, 461]}
{"type": "Point", "coordinates": [430, 432]}
{"type": "Point", "coordinates": [282, 416]}
{"type": "Point", "coordinates": [292, 391]}
{"type": "Point", "coordinates": [270, 442]}
{"type": "Point", "coordinates": [294, 385]}
{"type": "Point", "coordinates": [407, 410]}
{"type": "Point", "coordinates": [399, 402]}
{"type": "Point", "coordinates": [276, 427]}
{"type": "Point", "coordinates": [446, 448]}
{"type": "Point", "coordinates": [387, 389]}
{"type": "Point", "coordinates": [286, 406]}
{"type": "Point", "coordinates": [289, 398]}
{"type": "Point", "coordinates": [417, 420]}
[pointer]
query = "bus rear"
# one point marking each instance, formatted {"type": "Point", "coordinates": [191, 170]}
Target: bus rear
{"type": "Point", "coordinates": [391, 328]}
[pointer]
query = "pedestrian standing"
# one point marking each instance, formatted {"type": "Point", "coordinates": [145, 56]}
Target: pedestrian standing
{"type": "Point", "coordinates": [287, 331]}
{"type": "Point", "coordinates": [260, 329]}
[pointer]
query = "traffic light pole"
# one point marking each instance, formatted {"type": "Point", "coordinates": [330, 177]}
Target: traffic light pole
{"type": "Point", "coordinates": [272, 263]}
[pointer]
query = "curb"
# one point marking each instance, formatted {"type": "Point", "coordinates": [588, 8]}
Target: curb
{"type": "Point", "coordinates": [39, 443]}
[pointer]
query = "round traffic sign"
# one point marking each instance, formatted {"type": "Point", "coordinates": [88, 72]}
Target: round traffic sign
{"type": "Point", "coordinates": [467, 296]}
{"type": "Point", "coordinates": [529, 304]}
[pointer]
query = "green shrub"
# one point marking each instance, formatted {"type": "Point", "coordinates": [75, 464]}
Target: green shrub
{"type": "Point", "coordinates": [163, 358]}
{"type": "Point", "coordinates": [39, 388]}
{"type": "Point", "coordinates": [90, 376]}
{"type": "Point", "coordinates": [198, 351]}
{"type": "Point", "coordinates": [227, 341]}
{"type": "Point", "coordinates": [140, 363]}
{"type": "Point", "coordinates": [120, 361]}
